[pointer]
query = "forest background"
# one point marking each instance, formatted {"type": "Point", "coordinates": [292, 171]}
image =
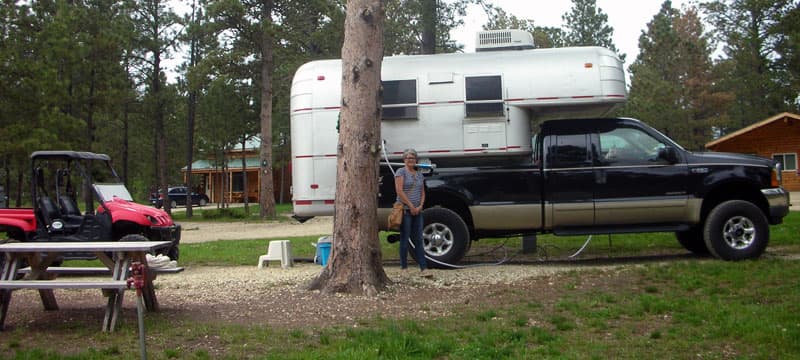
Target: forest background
{"type": "Point", "coordinates": [90, 75]}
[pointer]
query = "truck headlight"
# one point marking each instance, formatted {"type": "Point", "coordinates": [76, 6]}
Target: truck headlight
{"type": "Point", "coordinates": [776, 178]}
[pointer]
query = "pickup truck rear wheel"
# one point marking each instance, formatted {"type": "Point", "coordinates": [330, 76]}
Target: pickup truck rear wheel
{"type": "Point", "coordinates": [692, 240]}
{"type": "Point", "coordinates": [445, 236]}
{"type": "Point", "coordinates": [736, 230]}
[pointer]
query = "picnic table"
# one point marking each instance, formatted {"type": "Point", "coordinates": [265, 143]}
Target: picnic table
{"type": "Point", "coordinates": [117, 257]}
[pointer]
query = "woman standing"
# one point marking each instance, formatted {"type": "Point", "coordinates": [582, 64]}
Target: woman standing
{"type": "Point", "coordinates": [410, 187]}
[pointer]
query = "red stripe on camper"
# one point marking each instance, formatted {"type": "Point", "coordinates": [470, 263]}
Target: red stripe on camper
{"type": "Point", "coordinates": [583, 97]}
{"type": "Point", "coordinates": [303, 156]}
{"type": "Point", "coordinates": [303, 109]}
{"type": "Point", "coordinates": [328, 202]}
{"type": "Point", "coordinates": [302, 202]}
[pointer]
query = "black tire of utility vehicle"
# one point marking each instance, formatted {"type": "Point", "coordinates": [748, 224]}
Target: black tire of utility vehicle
{"type": "Point", "coordinates": [736, 230]}
{"type": "Point", "coordinates": [131, 237]}
{"type": "Point", "coordinates": [692, 240]}
{"type": "Point", "coordinates": [445, 237]}
{"type": "Point", "coordinates": [174, 253]}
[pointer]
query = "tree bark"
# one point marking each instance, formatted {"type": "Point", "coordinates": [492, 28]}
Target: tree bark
{"type": "Point", "coordinates": [355, 260]}
{"type": "Point", "coordinates": [266, 187]}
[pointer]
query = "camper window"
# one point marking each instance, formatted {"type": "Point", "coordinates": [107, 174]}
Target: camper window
{"type": "Point", "coordinates": [399, 99]}
{"type": "Point", "coordinates": [484, 96]}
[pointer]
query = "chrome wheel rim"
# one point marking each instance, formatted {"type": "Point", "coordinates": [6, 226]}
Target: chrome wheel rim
{"type": "Point", "coordinates": [437, 239]}
{"type": "Point", "coordinates": [739, 232]}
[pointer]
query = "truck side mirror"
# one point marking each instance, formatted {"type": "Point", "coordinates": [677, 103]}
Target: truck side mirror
{"type": "Point", "coordinates": [669, 154]}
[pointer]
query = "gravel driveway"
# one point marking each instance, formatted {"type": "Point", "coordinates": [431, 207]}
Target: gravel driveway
{"type": "Point", "coordinates": [197, 232]}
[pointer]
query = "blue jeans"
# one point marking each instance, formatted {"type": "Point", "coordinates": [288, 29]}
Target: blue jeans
{"type": "Point", "coordinates": [411, 228]}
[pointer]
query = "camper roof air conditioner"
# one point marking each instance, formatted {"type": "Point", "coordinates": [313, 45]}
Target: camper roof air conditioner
{"type": "Point", "coordinates": [512, 39]}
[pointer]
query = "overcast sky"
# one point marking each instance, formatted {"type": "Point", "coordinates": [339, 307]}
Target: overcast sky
{"type": "Point", "coordinates": [628, 18]}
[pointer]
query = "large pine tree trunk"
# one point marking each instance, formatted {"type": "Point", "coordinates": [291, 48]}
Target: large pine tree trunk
{"type": "Point", "coordinates": [266, 188]}
{"type": "Point", "coordinates": [355, 261]}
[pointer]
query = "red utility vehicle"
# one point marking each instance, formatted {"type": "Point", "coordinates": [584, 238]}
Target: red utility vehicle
{"type": "Point", "coordinates": [63, 179]}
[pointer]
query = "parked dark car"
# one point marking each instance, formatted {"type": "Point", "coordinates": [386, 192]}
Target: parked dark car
{"type": "Point", "coordinates": [177, 196]}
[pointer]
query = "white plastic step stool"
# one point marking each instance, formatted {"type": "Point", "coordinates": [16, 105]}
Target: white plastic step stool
{"type": "Point", "coordinates": [277, 250]}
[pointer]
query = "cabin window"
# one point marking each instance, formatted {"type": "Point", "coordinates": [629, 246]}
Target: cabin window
{"type": "Point", "coordinates": [788, 161]}
{"type": "Point", "coordinates": [484, 96]}
{"type": "Point", "coordinates": [399, 99]}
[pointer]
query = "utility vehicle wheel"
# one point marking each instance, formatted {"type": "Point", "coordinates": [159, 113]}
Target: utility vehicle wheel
{"type": "Point", "coordinates": [692, 240]}
{"type": "Point", "coordinates": [134, 237]}
{"type": "Point", "coordinates": [173, 204]}
{"type": "Point", "coordinates": [174, 253]}
{"type": "Point", "coordinates": [736, 230]}
{"type": "Point", "coordinates": [203, 202]}
{"type": "Point", "coordinates": [445, 236]}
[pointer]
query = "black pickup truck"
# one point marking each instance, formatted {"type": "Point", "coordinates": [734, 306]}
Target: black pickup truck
{"type": "Point", "coordinates": [603, 176]}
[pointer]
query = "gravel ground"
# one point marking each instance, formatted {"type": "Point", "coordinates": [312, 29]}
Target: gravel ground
{"type": "Point", "coordinates": [277, 297]}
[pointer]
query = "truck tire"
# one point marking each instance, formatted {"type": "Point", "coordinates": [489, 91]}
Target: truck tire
{"type": "Point", "coordinates": [736, 230]}
{"type": "Point", "coordinates": [692, 240]}
{"type": "Point", "coordinates": [445, 236]}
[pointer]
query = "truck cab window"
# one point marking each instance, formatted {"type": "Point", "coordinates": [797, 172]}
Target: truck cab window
{"type": "Point", "coordinates": [484, 96]}
{"type": "Point", "coordinates": [399, 99]}
{"type": "Point", "coordinates": [568, 151]}
{"type": "Point", "coordinates": [628, 146]}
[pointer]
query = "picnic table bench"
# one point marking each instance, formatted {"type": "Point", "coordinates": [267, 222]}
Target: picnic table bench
{"type": "Point", "coordinates": [116, 256]}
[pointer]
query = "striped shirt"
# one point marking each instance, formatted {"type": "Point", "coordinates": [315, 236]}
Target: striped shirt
{"type": "Point", "coordinates": [412, 185]}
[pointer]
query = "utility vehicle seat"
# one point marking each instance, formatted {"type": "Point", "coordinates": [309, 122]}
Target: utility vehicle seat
{"type": "Point", "coordinates": [48, 209]}
{"type": "Point", "coordinates": [69, 206]}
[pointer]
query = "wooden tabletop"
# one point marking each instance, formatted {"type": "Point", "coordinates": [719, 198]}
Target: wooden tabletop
{"type": "Point", "coordinates": [83, 246]}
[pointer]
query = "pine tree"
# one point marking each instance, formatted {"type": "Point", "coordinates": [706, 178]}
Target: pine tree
{"type": "Point", "coordinates": [672, 86]}
{"type": "Point", "coordinates": [355, 262]}
{"type": "Point", "coordinates": [587, 25]}
{"type": "Point", "coordinates": [745, 28]}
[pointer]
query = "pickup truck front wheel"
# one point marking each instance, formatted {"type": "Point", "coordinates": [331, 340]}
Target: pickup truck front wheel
{"type": "Point", "coordinates": [445, 236]}
{"type": "Point", "coordinates": [736, 230]}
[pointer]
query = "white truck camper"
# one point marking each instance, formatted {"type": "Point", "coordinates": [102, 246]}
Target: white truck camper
{"type": "Point", "coordinates": [452, 108]}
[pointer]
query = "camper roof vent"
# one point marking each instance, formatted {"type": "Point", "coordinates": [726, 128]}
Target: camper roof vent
{"type": "Point", "coordinates": [512, 39]}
